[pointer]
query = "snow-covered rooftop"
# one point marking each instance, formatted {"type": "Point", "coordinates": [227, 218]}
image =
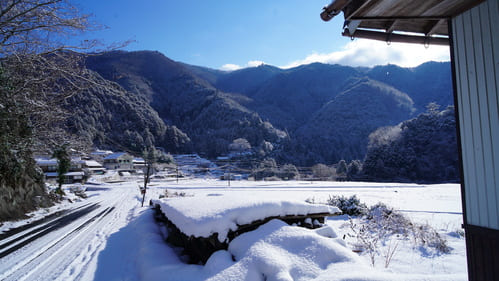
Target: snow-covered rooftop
{"type": "Point", "coordinates": [139, 160]}
{"type": "Point", "coordinates": [46, 162]}
{"type": "Point", "coordinates": [101, 152]}
{"type": "Point", "coordinates": [115, 155]}
{"type": "Point", "coordinates": [93, 163]}
{"type": "Point", "coordinates": [202, 216]}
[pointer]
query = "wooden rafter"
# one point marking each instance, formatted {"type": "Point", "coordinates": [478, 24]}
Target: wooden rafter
{"type": "Point", "coordinates": [357, 11]}
{"type": "Point", "coordinates": [391, 26]}
{"type": "Point", "coordinates": [394, 37]}
{"type": "Point", "coordinates": [433, 28]}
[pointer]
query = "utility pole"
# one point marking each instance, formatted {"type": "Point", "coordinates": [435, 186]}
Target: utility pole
{"type": "Point", "coordinates": [176, 170]}
{"type": "Point", "coordinates": [229, 174]}
{"type": "Point", "coordinates": [150, 158]}
{"type": "Point", "coordinates": [146, 179]}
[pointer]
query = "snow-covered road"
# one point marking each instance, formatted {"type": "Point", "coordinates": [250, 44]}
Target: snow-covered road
{"type": "Point", "coordinates": [62, 247]}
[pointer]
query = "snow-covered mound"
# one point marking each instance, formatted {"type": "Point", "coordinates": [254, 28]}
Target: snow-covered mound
{"type": "Point", "coordinates": [204, 216]}
{"type": "Point", "coordinates": [277, 251]}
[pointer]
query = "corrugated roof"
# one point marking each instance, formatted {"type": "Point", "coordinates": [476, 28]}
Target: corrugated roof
{"type": "Point", "coordinates": [374, 18]}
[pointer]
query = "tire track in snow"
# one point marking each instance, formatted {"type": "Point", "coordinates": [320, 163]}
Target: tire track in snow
{"type": "Point", "coordinates": [13, 231]}
{"type": "Point", "coordinates": [36, 259]}
{"type": "Point", "coordinates": [68, 257]}
{"type": "Point", "coordinates": [43, 230]}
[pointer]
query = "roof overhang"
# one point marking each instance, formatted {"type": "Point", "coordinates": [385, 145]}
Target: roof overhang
{"type": "Point", "coordinates": [407, 21]}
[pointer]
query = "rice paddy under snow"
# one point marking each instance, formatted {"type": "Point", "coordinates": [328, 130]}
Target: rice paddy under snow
{"type": "Point", "coordinates": [131, 245]}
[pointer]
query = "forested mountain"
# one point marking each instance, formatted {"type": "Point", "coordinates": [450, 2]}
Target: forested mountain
{"type": "Point", "coordinates": [429, 82]}
{"type": "Point", "coordinates": [339, 129]}
{"type": "Point", "coordinates": [110, 117]}
{"type": "Point", "coordinates": [304, 115]}
{"type": "Point", "coordinates": [423, 149]}
{"type": "Point", "coordinates": [211, 119]}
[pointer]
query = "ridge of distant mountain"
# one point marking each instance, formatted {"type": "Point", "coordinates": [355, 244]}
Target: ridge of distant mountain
{"type": "Point", "coordinates": [326, 110]}
{"type": "Point", "coordinates": [340, 129]}
{"type": "Point", "coordinates": [108, 116]}
{"type": "Point", "coordinates": [211, 119]}
{"type": "Point", "coordinates": [428, 82]}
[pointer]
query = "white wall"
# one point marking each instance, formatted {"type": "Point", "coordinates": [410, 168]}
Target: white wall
{"type": "Point", "coordinates": [476, 53]}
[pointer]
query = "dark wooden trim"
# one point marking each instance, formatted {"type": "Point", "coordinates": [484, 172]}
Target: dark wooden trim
{"type": "Point", "coordinates": [483, 231]}
{"type": "Point", "coordinates": [394, 37]}
{"type": "Point", "coordinates": [400, 18]}
{"type": "Point", "coordinates": [482, 246]}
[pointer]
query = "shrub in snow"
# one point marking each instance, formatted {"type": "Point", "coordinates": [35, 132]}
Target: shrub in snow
{"type": "Point", "coordinates": [350, 206]}
{"type": "Point", "coordinates": [78, 190]}
{"type": "Point", "coordinates": [168, 194]}
{"type": "Point", "coordinates": [380, 230]}
{"type": "Point", "coordinates": [366, 240]}
{"type": "Point", "coordinates": [387, 221]}
{"type": "Point", "coordinates": [425, 235]}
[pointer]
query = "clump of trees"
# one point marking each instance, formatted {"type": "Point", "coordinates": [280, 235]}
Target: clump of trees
{"type": "Point", "coordinates": [340, 171]}
{"type": "Point", "coordinates": [423, 149]}
{"type": "Point", "coordinates": [268, 170]}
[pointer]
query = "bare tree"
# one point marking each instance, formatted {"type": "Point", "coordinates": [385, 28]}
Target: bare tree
{"type": "Point", "coordinates": [38, 70]}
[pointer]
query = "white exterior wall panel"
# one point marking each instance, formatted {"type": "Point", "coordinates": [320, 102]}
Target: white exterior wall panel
{"type": "Point", "coordinates": [476, 52]}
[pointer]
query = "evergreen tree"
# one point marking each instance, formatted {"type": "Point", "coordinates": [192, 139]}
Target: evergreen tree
{"type": "Point", "coordinates": [341, 169]}
{"type": "Point", "coordinates": [63, 165]}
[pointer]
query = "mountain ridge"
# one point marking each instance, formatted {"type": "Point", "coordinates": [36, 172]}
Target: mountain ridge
{"type": "Point", "coordinates": [290, 108]}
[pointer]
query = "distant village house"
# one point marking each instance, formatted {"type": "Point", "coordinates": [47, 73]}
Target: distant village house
{"type": "Point", "coordinates": [120, 161]}
{"type": "Point", "coordinates": [49, 168]}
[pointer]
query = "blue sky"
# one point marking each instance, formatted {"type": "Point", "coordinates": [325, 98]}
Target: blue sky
{"type": "Point", "coordinates": [230, 34]}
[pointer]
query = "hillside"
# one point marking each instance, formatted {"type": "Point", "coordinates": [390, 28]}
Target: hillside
{"type": "Point", "coordinates": [429, 82]}
{"type": "Point", "coordinates": [110, 117]}
{"type": "Point", "coordinates": [340, 129]}
{"type": "Point", "coordinates": [310, 114]}
{"type": "Point", "coordinates": [210, 118]}
{"type": "Point", "coordinates": [423, 149]}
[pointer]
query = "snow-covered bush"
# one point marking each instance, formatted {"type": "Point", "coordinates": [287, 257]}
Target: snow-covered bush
{"type": "Point", "coordinates": [427, 236]}
{"type": "Point", "coordinates": [169, 194]}
{"type": "Point", "coordinates": [380, 229]}
{"type": "Point", "coordinates": [388, 221]}
{"type": "Point", "coordinates": [350, 206]}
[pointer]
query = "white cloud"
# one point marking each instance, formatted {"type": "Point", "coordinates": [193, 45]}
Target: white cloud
{"type": "Point", "coordinates": [232, 67]}
{"type": "Point", "coordinates": [254, 63]}
{"type": "Point", "coordinates": [370, 53]}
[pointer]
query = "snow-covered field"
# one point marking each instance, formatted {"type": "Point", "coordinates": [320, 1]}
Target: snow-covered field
{"type": "Point", "coordinates": [110, 237]}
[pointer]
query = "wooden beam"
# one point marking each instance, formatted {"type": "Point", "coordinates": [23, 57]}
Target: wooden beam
{"type": "Point", "coordinates": [391, 26]}
{"type": "Point", "coordinates": [434, 27]}
{"type": "Point", "coordinates": [401, 18]}
{"type": "Point", "coordinates": [393, 37]}
{"type": "Point", "coordinates": [333, 9]}
{"type": "Point", "coordinates": [367, 4]}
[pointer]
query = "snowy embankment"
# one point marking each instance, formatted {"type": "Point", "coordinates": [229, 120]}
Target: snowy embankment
{"type": "Point", "coordinates": [202, 216]}
{"type": "Point", "coordinates": [127, 244]}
